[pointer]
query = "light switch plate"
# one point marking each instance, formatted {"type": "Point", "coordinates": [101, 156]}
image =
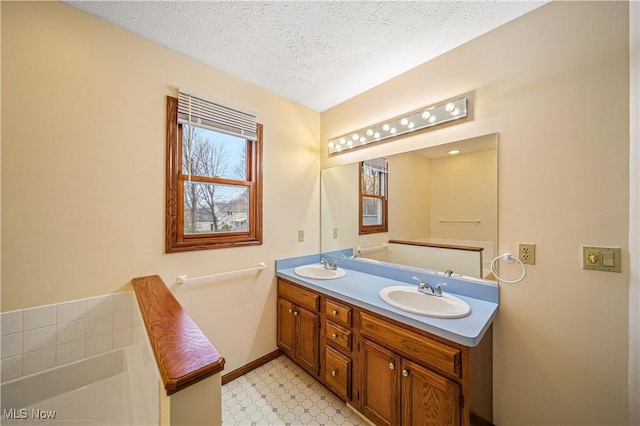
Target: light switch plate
{"type": "Point", "coordinates": [300, 235]}
{"type": "Point", "coordinates": [601, 258]}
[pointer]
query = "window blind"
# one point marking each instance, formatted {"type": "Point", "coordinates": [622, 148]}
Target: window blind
{"type": "Point", "coordinates": [378, 164]}
{"type": "Point", "coordinates": [215, 116]}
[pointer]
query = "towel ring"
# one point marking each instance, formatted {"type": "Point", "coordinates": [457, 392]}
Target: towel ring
{"type": "Point", "coordinates": [509, 258]}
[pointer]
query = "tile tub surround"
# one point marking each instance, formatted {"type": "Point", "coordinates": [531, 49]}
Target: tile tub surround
{"type": "Point", "coordinates": [43, 337]}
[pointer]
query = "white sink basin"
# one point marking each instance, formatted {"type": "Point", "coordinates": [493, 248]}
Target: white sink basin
{"type": "Point", "coordinates": [319, 272]}
{"type": "Point", "coordinates": [410, 300]}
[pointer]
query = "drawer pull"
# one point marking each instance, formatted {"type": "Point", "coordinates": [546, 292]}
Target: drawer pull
{"type": "Point", "coordinates": [334, 335]}
{"type": "Point", "coordinates": [405, 373]}
{"type": "Point", "coordinates": [295, 314]}
{"type": "Point", "coordinates": [334, 372]}
{"type": "Point", "coordinates": [335, 313]}
{"type": "Point", "coordinates": [290, 311]}
{"type": "Point", "coordinates": [392, 366]}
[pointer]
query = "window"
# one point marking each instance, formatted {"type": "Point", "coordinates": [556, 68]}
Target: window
{"type": "Point", "coordinates": [373, 196]}
{"type": "Point", "coordinates": [214, 185]}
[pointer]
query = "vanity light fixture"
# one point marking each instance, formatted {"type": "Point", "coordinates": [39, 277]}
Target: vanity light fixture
{"type": "Point", "coordinates": [419, 119]}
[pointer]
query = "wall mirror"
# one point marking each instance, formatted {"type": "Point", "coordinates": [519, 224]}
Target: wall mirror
{"type": "Point", "coordinates": [442, 209]}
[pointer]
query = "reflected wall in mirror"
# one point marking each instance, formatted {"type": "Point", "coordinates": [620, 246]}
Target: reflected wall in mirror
{"type": "Point", "coordinates": [443, 209]}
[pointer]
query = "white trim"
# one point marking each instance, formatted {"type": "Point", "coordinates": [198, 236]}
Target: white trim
{"type": "Point", "coordinates": [634, 213]}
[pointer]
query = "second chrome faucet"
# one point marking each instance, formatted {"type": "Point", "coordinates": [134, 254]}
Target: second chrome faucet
{"type": "Point", "coordinates": [424, 287]}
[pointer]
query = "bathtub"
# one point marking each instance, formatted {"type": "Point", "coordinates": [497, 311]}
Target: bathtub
{"type": "Point", "coordinates": [119, 387]}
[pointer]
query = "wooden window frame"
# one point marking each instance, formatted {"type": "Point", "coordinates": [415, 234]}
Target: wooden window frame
{"type": "Point", "coordinates": [373, 229]}
{"type": "Point", "coordinates": [175, 239]}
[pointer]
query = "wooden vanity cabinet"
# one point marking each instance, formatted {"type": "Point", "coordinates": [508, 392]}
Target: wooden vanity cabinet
{"type": "Point", "coordinates": [337, 369]}
{"type": "Point", "coordinates": [391, 372]}
{"type": "Point", "coordinates": [410, 377]}
{"type": "Point", "coordinates": [299, 325]}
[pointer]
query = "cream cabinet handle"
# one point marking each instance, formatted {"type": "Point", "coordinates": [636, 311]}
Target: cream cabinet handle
{"type": "Point", "coordinates": [335, 313]}
{"type": "Point", "coordinates": [334, 335]}
{"type": "Point", "coordinates": [295, 314]}
{"type": "Point", "coordinates": [392, 366]}
{"type": "Point", "coordinates": [290, 311]}
{"type": "Point", "coordinates": [405, 373]}
{"type": "Point", "coordinates": [334, 372]}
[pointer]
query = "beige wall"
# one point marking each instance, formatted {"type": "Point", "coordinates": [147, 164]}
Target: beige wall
{"type": "Point", "coordinates": [555, 85]}
{"type": "Point", "coordinates": [83, 146]}
{"type": "Point", "coordinates": [465, 187]}
{"type": "Point", "coordinates": [409, 196]}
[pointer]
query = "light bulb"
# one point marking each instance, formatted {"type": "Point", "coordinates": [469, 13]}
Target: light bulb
{"type": "Point", "coordinates": [331, 145]}
{"type": "Point", "coordinates": [392, 130]}
{"type": "Point", "coordinates": [386, 127]}
{"type": "Point", "coordinates": [369, 132]}
{"type": "Point", "coordinates": [432, 119]}
{"type": "Point", "coordinates": [363, 139]}
{"type": "Point", "coordinates": [343, 141]}
{"type": "Point", "coordinates": [376, 135]}
{"type": "Point", "coordinates": [426, 115]}
{"type": "Point", "coordinates": [455, 112]}
{"type": "Point", "coordinates": [454, 152]}
{"type": "Point", "coordinates": [411, 125]}
{"type": "Point", "coordinates": [449, 107]}
{"type": "Point", "coordinates": [355, 137]}
{"type": "Point", "coordinates": [404, 121]}
{"type": "Point", "coordinates": [349, 143]}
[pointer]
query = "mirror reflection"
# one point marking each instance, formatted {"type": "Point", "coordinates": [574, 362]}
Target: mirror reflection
{"type": "Point", "coordinates": [442, 209]}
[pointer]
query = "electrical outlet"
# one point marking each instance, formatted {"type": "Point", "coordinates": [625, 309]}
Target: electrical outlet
{"type": "Point", "coordinates": [300, 235]}
{"type": "Point", "coordinates": [527, 253]}
{"type": "Point", "coordinates": [335, 232]}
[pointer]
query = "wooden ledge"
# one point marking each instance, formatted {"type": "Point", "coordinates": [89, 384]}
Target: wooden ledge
{"type": "Point", "coordinates": [437, 245]}
{"type": "Point", "coordinates": [183, 353]}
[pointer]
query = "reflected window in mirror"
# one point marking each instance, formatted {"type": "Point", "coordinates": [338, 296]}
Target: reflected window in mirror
{"type": "Point", "coordinates": [373, 212]}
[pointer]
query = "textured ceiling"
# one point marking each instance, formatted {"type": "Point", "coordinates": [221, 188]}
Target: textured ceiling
{"type": "Point", "coordinates": [317, 53]}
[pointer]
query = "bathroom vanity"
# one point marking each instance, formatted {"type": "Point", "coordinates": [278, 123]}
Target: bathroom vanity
{"type": "Point", "coordinates": [396, 369]}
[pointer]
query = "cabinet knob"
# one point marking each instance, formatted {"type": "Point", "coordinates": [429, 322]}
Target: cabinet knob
{"type": "Point", "coordinates": [290, 311]}
{"type": "Point", "coordinates": [334, 372]}
{"type": "Point", "coordinates": [334, 335]}
{"type": "Point", "coordinates": [392, 366]}
{"type": "Point", "coordinates": [405, 373]}
{"type": "Point", "coordinates": [335, 313]}
{"type": "Point", "coordinates": [295, 314]}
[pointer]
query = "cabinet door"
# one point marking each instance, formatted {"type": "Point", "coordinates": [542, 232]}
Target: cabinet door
{"type": "Point", "coordinates": [337, 374]}
{"type": "Point", "coordinates": [428, 398]}
{"type": "Point", "coordinates": [308, 340]}
{"type": "Point", "coordinates": [380, 384]}
{"type": "Point", "coordinates": [286, 327]}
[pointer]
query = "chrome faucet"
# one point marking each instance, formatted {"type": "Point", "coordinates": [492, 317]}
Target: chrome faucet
{"type": "Point", "coordinates": [329, 265]}
{"type": "Point", "coordinates": [448, 272]}
{"type": "Point", "coordinates": [438, 290]}
{"type": "Point", "coordinates": [425, 288]}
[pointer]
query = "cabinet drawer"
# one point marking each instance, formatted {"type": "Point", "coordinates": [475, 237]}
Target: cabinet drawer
{"type": "Point", "coordinates": [298, 295]}
{"type": "Point", "coordinates": [427, 350]}
{"type": "Point", "coordinates": [338, 312]}
{"type": "Point", "coordinates": [337, 372]}
{"type": "Point", "coordinates": [338, 335]}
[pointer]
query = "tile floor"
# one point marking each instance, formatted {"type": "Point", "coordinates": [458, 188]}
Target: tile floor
{"type": "Point", "coordinates": [281, 393]}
